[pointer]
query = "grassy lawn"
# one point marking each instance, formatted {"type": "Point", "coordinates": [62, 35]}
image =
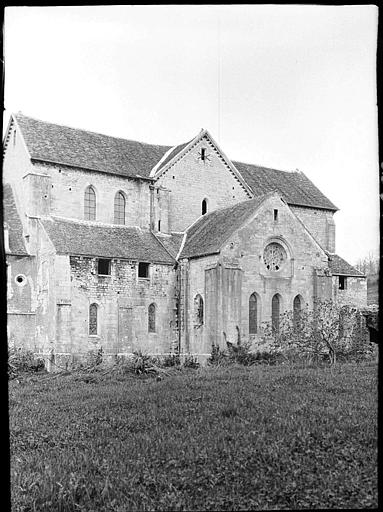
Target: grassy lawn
{"type": "Point", "coordinates": [235, 438]}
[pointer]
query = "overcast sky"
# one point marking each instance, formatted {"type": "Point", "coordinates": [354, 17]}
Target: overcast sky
{"type": "Point", "coordinates": [290, 87]}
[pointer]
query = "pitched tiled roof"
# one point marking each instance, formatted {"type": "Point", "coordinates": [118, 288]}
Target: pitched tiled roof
{"type": "Point", "coordinates": [88, 239]}
{"type": "Point", "coordinates": [340, 267]}
{"type": "Point", "coordinates": [172, 154]}
{"type": "Point", "coordinates": [295, 187]}
{"type": "Point", "coordinates": [89, 150]}
{"type": "Point", "coordinates": [172, 243]}
{"type": "Point", "coordinates": [11, 217]}
{"type": "Point", "coordinates": [210, 232]}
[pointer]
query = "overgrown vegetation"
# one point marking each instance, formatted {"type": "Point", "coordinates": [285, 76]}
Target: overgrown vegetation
{"type": "Point", "coordinates": [21, 361]}
{"type": "Point", "coordinates": [326, 332]}
{"type": "Point", "coordinates": [236, 438]}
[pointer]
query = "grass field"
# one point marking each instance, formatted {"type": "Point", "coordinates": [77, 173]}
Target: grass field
{"type": "Point", "coordinates": [235, 438]}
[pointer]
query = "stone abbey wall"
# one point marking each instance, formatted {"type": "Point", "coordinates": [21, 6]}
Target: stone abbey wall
{"type": "Point", "coordinates": [191, 180]}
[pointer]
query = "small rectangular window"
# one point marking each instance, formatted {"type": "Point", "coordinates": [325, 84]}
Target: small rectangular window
{"type": "Point", "coordinates": [203, 153]}
{"type": "Point", "coordinates": [275, 215]}
{"type": "Point", "coordinates": [342, 283]}
{"type": "Point", "coordinates": [143, 270]}
{"type": "Point", "coordinates": [104, 267]}
{"type": "Point", "coordinates": [159, 225]}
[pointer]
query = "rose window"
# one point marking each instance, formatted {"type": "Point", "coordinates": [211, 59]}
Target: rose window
{"type": "Point", "coordinates": [274, 256]}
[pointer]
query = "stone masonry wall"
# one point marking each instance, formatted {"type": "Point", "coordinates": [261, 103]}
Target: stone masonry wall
{"type": "Point", "coordinates": [190, 180]}
{"type": "Point", "coordinates": [122, 299]}
{"type": "Point", "coordinates": [245, 250]}
{"type": "Point", "coordinates": [68, 187]}
{"type": "Point", "coordinates": [320, 223]}
{"type": "Point", "coordinates": [355, 293]}
{"type": "Point", "coordinates": [16, 164]}
{"type": "Point", "coordinates": [21, 301]}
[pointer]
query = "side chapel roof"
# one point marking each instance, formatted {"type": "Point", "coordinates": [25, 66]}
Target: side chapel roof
{"type": "Point", "coordinates": [88, 150]}
{"type": "Point", "coordinates": [209, 232]}
{"type": "Point", "coordinates": [90, 239]}
{"type": "Point", "coordinates": [12, 219]}
{"type": "Point", "coordinates": [340, 267]}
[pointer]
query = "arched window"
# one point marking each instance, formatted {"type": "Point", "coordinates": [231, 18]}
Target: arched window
{"type": "Point", "coordinates": [198, 310]}
{"type": "Point", "coordinates": [152, 318]}
{"type": "Point", "coordinates": [119, 208]}
{"type": "Point", "coordinates": [253, 314]}
{"type": "Point", "coordinates": [90, 204]}
{"type": "Point", "coordinates": [93, 320]}
{"type": "Point", "coordinates": [275, 312]}
{"type": "Point", "coordinates": [297, 309]}
{"type": "Point", "coordinates": [204, 206]}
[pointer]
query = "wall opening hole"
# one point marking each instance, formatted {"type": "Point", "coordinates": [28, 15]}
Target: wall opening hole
{"type": "Point", "coordinates": [20, 279]}
{"type": "Point", "coordinates": [143, 270]}
{"type": "Point", "coordinates": [103, 267]}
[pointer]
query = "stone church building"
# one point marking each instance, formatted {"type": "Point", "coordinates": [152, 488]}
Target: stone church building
{"type": "Point", "coordinates": [129, 246]}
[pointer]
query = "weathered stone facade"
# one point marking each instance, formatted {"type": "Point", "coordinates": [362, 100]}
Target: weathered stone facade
{"type": "Point", "coordinates": [198, 257]}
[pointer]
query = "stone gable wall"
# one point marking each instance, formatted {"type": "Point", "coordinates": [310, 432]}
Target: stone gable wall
{"type": "Point", "coordinates": [320, 223]}
{"type": "Point", "coordinates": [191, 180]}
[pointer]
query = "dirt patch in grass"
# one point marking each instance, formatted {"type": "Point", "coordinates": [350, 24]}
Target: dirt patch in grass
{"type": "Point", "coordinates": [237, 438]}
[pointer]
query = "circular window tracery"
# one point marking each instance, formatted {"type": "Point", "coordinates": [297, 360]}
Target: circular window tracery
{"type": "Point", "coordinates": [274, 256]}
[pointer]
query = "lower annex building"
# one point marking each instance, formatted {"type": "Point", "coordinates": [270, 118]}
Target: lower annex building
{"type": "Point", "coordinates": [129, 246]}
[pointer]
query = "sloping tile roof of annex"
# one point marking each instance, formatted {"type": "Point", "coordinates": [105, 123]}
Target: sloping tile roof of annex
{"type": "Point", "coordinates": [295, 187]}
{"type": "Point", "coordinates": [210, 231]}
{"type": "Point", "coordinates": [340, 267]}
{"type": "Point", "coordinates": [80, 148]}
{"type": "Point", "coordinates": [88, 239]}
{"type": "Point", "coordinates": [11, 217]}
{"type": "Point", "coordinates": [172, 243]}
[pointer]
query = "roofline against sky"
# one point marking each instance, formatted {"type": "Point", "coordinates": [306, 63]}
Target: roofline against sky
{"type": "Point", "coordinates": [137, 177]}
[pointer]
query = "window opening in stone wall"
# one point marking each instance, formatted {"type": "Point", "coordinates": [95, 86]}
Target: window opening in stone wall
{"type": "Point", "coordinates": [198, 310]}
{"type": "Point", "coordinates": [103, 267]}
{"type": "Point", "coordinates": [90, 204]}
{"type": "Point", "coordinates": [159, 225]}
{"type": "Point", "coordinates": [119, 208]}
{"type": "Point", "coordinates": [143, 270]}
{"type": "Point", "coordinates": [275, 312]}
{"type": "Point", "coordinates": [275, 215]}
{"type": "Point", "coordinates": [253, 313]}
{"type": "Point", "coordinates": [14, 138]}
{"type": "Point", "coordinates": [152, 318]}
{"type": "Point", "coordinates": [203, 154]}
{"type": "Point", "coordinates": [93, 320]}
{"type": "Point", "coordinates": [297, 311]}
{"type": "Point", "coordinates": [342, 283]}
{"type": "Point", "coordinates": [20, 279]}
{"type": "Point", "coordinates": [204, 207]}
{"type": "Point", "coordinates": [274, 256]}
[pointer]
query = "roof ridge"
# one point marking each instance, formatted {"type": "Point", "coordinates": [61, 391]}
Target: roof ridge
{"type": "Point", "coordinates": [20, 114]}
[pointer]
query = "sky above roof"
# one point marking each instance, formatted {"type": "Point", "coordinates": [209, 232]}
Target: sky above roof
{"type": "Point", "coordinates": [284, 86]}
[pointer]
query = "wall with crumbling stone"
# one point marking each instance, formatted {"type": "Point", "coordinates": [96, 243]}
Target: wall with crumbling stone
{"type": "Point", "coordinates": [190, 180]}
{"type": "Point", "coordinates": [355, 293]}
{"type": "Point", "coordinates": [21, 301]}
{"type": "Point", "coordinates": [122, 300]}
